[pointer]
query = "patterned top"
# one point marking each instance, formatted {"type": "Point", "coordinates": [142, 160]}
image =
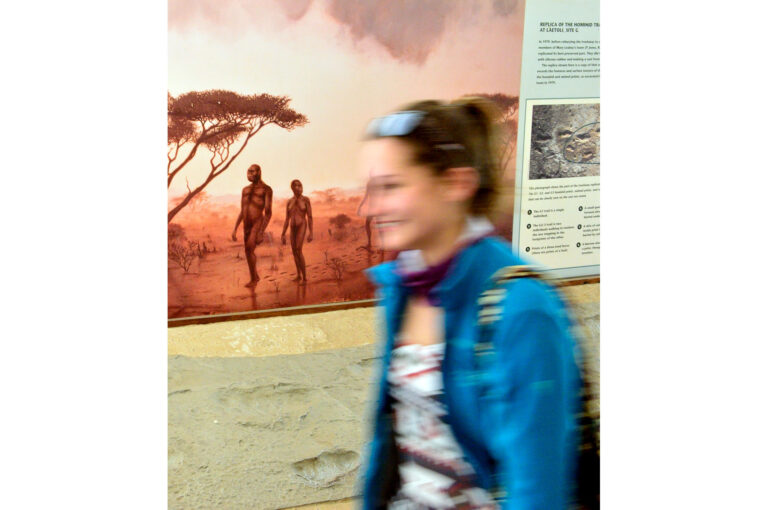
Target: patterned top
{"type": "Point", "coordinates": [433, 470]}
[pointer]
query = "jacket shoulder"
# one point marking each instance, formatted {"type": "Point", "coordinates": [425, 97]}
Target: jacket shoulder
{"type": "Point", "coordinates": [495, 252]}
{"type": "Point", "coordinates": [383, 274]}
{"type": "Point", "coordinates": [488, 256]}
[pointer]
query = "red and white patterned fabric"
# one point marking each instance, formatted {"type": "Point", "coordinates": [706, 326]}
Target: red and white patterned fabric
{"type": "Point", "coordinates": [433, 471]}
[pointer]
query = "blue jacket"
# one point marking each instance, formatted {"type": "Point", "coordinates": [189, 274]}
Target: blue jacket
{"type": "Point", "coordinates": [516, 418]}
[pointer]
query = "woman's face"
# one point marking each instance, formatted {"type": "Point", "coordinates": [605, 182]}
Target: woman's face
{"type": "Point", "coordinates": [297, 188]}
{"type": "Point", "coordinates": [405, 199]}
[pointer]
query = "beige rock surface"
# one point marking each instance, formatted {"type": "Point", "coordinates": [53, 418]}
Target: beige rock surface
{"type": "Point", "coordinates": [585, 307]}
{"type": "Point", "coordinates": [345, 504]}
{"type": "Point", "coordinates": [272, 413]}
{"type": "Point", "coordinates": [266, 432]}
{"type": "Point", "coordinates": [270, 336]}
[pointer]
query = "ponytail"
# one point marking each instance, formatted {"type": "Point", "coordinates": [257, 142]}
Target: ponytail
{"type": "Point", "coordinates": [480, 133]}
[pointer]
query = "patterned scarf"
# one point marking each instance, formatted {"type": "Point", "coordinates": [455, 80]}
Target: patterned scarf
{"type": "Point", "coordinates": [420, 279]}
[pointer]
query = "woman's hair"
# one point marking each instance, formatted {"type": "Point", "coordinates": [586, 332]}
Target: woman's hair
{"type": "Point", "coordinates": [294, 182]}
{"type": "Point", "coordinates": [449, 135]}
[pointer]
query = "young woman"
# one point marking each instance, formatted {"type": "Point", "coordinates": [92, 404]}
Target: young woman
{"type": "Point", "coordinates": [449, 432]}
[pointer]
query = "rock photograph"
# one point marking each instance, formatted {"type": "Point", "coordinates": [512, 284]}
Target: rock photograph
{"type": "Point", "coordinates": [565, 141]}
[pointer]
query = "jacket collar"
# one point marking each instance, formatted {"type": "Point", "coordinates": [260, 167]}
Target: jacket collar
{"type": "Point", "coordinates": [384, 275]}
{"type": "Point", "coordinates": [475, 227]}
{"type": "Point", "coordinates": [387, 274]}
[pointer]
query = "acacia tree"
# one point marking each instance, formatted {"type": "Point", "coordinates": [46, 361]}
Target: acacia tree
{"type": "Point", "coordinates": [217, 120]}
{"type": "Point", "coordinates": [180, 132]}
{"type": "Point", "coordinates": [329, 196]}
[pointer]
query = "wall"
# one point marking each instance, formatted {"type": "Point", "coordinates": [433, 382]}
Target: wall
{"type": "Point", "coordinates": [272, 413]}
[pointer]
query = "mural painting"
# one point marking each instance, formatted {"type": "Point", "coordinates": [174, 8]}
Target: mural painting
{"type": "Point", "coordinates": [267, 104]}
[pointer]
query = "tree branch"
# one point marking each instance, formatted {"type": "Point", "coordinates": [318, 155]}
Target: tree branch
{"type": "Point", "coordinates": [223, 127]}
{"type": "Point", "coordinates": [175, 154]}
{"type": "Point", "coordinates": [251, 134]}
{"type": "Point", "coordinates": [204, 135]}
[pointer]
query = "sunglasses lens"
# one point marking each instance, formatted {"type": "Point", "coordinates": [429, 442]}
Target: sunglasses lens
{"type": "Point", "coordinates": [396, 124]}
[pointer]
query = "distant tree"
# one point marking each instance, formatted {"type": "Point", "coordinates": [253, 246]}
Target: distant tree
{"type": "Point", "coordinates": [216, 120]}
{"type": "Point", "coordinates": [340, 221]}
{"type": "Point", "coordinates": [200, 200]}
{"type": "Point", "coordinates": [336, 265]}
{"type": "Point", "coordinates": [175, 232]}
{"type": "Point", "coordinates": [183, 253]}
{"type": "Point", "coordinates": [328, 196]}
{"type": "Point", "coordinates": [180, 250]}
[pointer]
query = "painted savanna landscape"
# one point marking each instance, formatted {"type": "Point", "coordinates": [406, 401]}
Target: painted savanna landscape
{"type": "Point", "coordinates": [288, 87]}
{"type": "Point", "coordinates": [208, 271]}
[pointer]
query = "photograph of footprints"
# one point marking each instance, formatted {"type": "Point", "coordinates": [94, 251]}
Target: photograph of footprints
{"type": "Point", "coordinates": [565, 141]}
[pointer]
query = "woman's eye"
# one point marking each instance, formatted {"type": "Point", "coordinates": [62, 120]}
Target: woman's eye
{"type": "Point", "coordinates": [391, 186]}
{"type": "Point", "coordinates": [384, 187]}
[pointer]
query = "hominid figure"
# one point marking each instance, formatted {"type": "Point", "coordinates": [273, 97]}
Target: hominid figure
{"type": "Point", "coordinates": [255, 213]}
{"type": "Point", "coordinates": [298, 213]}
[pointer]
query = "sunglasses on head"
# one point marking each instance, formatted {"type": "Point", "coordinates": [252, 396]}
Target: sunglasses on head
{"type": "Point", "coordinates": [395, 124]}
{"type": "Point", "coordinates": [404, 123]}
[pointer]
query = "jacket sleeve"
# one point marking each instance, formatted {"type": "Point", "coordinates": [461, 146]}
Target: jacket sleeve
{"type": "Point", "coordinates": [381, 477]}
{"type": "Point", "coordinates": [526, 412]}
{"type": "Point", "coordinates": [379, 471]}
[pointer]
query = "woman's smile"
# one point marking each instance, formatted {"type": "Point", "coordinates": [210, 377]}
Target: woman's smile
{"type": "Point", "coordinates": [388, 224]}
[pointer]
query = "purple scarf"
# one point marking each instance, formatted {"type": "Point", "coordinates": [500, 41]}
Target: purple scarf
{"type": "Point", "coordinates": [422, 280]}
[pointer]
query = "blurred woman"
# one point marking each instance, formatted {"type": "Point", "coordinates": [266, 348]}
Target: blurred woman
{"type": "Point", "coordinates": [448, 430]}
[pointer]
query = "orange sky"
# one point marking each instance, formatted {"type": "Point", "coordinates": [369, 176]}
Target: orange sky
{"type": "Point", "coordinates": [338, 73]}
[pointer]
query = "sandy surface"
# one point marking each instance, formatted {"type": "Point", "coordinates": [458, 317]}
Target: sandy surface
{"type": "Point", "coordinates": [269, 432]}
{"type": "Point", "coordinates": [344, 504]}
{"type": "Point", "coordinates": [214, 281]}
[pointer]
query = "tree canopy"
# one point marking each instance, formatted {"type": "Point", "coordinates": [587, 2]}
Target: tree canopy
{"type": "Point", "coordinates": [217, 120]}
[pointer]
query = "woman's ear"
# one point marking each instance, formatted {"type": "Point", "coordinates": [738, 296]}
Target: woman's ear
{"type": "Point", "coordinates": [460, 184]}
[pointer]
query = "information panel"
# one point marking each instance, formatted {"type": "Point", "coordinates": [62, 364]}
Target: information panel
{"type": "Point", "coordinates": [557, 211]}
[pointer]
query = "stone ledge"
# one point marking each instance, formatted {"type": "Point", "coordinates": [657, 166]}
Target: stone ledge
{"type": "Point", "coordinates": [270, 336]}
